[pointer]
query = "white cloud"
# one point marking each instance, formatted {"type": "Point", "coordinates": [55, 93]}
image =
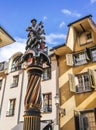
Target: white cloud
{"type": "Point", "coordinates": [54, 38]}
{"type": "Point", "coordinates": [45, 18]}
{"type": "Point", "coordinates": [65, 11]}
{"type": "Point", "coordinates": [62, 25]}
{"type": "Point", "coordinates": [7, 51]}
{"type": "Point", "coordinates": [93, 1]}
{"type": "Point", "coordinates": [68, 12]}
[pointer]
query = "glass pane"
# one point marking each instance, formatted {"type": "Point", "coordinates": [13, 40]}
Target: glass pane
{"type": "Point", "coordinates": [83, 82]}
{"type": "Point", "coordinates": [79, 58]}
{"type": "Point", "coordinates": [47, 102]}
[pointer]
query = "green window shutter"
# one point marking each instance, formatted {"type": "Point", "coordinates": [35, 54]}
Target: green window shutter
{"type": "Point", "coordinates": [72, 82]}
{"type": "Point", "coordinates": [69, 59]}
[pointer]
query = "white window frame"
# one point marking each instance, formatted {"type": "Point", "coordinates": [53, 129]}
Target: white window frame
{"type": "Point", "coordinates": [74, 82]}
{"type": "Point", "coordinates": [11, 107]}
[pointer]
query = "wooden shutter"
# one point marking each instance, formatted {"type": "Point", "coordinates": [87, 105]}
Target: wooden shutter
{"type": "Point", "coordinates": [92, 74]}
{"type": "Point", "coordinates": [72, 82]}
{"type": "Point", "coordinates": [69, 59]}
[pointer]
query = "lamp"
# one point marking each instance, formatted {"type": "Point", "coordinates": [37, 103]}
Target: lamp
{"type": "Point", "coordinates": [62, 111]}
{"type": "Point", "coordinates": [56, 99]}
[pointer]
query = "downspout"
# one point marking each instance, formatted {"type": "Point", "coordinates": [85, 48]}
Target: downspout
{"type": "Point", "coordinates": [57, 93]}
{"type": "Point", "coordinates": [20, 97]}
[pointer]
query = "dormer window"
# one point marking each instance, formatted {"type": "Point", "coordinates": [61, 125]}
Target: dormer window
{"type": "Point", "coordinates": [85, 37]}
{"type": "Point", "coordinates": [89, 35]}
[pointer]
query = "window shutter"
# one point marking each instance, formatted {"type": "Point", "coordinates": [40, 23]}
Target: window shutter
{"type": "Point", "coordinates": [92, 74]}
{"type": "Point", "coordinates": [69, 59]}
{"type": "Point", "coordinates": [94, 78]}
{"type": "Point", "coordinates": [86, 123]}
{"type": "Point", "coordinates": [72, 82]}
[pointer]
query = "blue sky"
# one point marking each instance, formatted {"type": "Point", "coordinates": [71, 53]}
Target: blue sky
{"type": "Point", "coordinates": [15, 16]}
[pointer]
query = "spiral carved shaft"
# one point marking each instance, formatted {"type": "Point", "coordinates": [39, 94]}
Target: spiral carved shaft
{"type": "Point", "coordinates": [33, 94]}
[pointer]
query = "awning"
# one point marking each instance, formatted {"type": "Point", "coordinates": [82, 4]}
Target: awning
{"type": "Point", "coordinates": [44, 124]}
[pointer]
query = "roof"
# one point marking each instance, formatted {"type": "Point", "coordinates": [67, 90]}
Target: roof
{"type": "Point", "coordinates": [5, 38]}
{"type": "Point", "coordinates": [80, 19]}
{"type": "Point", "coordinates": [58, 46]}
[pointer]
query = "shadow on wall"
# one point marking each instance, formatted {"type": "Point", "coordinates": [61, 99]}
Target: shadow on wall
{"type": "Point", "coordinates": [18, 127]}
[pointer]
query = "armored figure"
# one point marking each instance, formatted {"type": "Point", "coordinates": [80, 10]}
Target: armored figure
{"type": "Point", "coordinates": [36, 45]}
{"type": "Point", "coordinates": [35, 34]}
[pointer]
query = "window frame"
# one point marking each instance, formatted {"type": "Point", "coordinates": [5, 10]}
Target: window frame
{"type": "Point", "coordinates": [15, 81]}
{"type": "Point", "coordinates": [47, 74]}
{"type": "Point", "coordinates": [74, 82]}
{"type": "Point", "coordinates": [14, 62]}
{"type": "Point", "coordinates": [11, 111]}
{"type": "Point", "coordinates": [83, 54]}
{"type": "Point", "coordinates": [79, 116]}
{"type": "Point", "coordinates": [46, 108]}
{"type": "Point", "coordinates": [83, 35]}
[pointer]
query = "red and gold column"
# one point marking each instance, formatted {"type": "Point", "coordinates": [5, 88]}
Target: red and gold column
{"type": "Point", "coordinates": [32, 100]}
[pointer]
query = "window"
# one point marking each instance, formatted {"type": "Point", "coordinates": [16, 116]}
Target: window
{"type": "Point", "coordinates": [47, 102]}
{"type": "Point", "coordinates": [81, 82]}
{"type": "Point", "coordinates": [85, 38]}
{"type": "Point", "coordinates": [89, 35]}
{"type": "Point", "coordinates": [91, 54]}
{"type": "Point", "coordinates": [14, 66]}
{"type": "Point", "coordinates": [79, 58]}
{"type": "Point", "coordinates": [15, 81]}
{"type": "Point", "coordinates": [0, 84]}
{"type": "Point", "coordinates": [76, 59]}
{"type": "Point", "coordinates": [46, 73]}
{"type": "Point", "coordinates": [85, 120]}
{"type": "Point", "coordinates": [11, 107]}
{"type": "Point", "coordinates": [84, 83]}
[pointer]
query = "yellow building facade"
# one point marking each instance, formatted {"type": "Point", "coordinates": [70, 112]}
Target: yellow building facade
{"type": "Point", "coordinates": [77, 76]}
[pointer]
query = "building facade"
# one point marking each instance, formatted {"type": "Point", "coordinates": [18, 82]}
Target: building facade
{"type": "Point", "coordinates": [13, 85]}
{"type": "Point", "coordinates": [77, 76]}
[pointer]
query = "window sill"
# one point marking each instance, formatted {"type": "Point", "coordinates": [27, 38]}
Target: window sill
{"type": "Point", "coordinates": [84, 91]}
{"type": "Point", "coordinates": [46, 112]}
{"type": "Point", "coordinates": [46, 79]}
{"type": "Point", "coordinates": [10, 115]}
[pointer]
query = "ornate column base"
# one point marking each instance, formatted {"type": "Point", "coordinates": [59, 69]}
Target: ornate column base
{"type": "Point", "coordinates": [32, 120]}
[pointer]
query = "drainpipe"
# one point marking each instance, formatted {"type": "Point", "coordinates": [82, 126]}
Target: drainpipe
{"type": "Point", "coordinates": [57, 94]}
{"type": "Point", "coordinates": [20, 97]}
